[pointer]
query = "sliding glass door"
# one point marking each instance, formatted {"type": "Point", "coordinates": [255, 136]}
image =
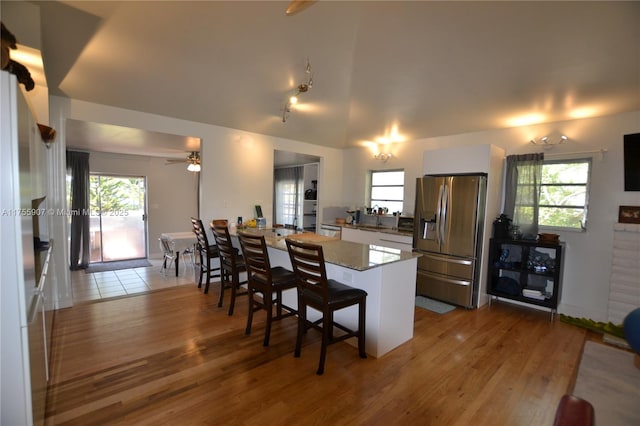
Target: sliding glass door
{"type": "Point", "coordinates": [118, 224]}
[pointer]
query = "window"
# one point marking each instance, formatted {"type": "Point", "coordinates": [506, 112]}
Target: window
{"type": "Point", "coordinates": [288, 189]}
{"type": "Point", "coordinates": [387, 189]}
{"type": "Point", "coordinates": [564, 193]}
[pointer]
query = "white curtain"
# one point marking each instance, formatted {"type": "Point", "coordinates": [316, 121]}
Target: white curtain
{"type": "Point", "coordinates": [288, 190]}
{"type": "Point", "coordinates": [522, 191]}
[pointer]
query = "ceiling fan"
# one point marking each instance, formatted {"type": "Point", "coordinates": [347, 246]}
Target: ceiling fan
{"type": "Point", "coordinates": [193, 161]}
{"type": "Point", "coordinates": [298, 6]}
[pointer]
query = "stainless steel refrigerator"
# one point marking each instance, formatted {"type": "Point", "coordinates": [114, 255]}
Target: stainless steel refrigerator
{"type": "Point", "coordinates": [448, 227]}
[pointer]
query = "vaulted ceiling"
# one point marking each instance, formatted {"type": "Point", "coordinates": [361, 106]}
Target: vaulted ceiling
{"type": "Point", "coordinates": [381, 69]}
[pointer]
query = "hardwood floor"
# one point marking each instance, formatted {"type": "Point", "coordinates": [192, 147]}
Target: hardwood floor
{"type": "Point", "coordinates": [174, 357]}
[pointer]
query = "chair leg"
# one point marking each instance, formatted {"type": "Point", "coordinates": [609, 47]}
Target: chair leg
{"type": "Point", "coordinates": [250, 294]}
{"type": "Point", "coordinates": [234, 291]}
{"type": "Point", "coordinates": [279, 304]}
{"type": "Point", "coordinates": [223, 282]}
{"type": "Point", "coordinates": [207, 273]}
{"type": "Point", "coordinates": [361, 328]}
{"type": "Point", "coordinates": [327, 331]}
{"type": "Point", "coordinates": [268, 306]}
{"type": "Point", "coordinates": [302, 318]}
{"type": "Point", "coordinates": [200, 266]}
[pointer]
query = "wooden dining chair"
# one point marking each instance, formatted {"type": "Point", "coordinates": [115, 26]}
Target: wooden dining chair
{"type": "Point", "coordinates": [326, 296]}
{"type": "Point", "coordinates": [231, 263]}
{"type": "Point", "coordinates": [206, 253]}
{"type": "Point", "coordinates": [265, 280]}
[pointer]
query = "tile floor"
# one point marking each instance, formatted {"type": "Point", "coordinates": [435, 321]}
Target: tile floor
{"type": "Point", "coordinates": [124, 282]}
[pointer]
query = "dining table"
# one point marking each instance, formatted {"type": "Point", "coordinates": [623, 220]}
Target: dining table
{"type": "Point", "coordinates": [182, 242]}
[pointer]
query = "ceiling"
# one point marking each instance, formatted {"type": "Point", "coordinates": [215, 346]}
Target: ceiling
{"type": "Point", "coordinates": [382, 70]}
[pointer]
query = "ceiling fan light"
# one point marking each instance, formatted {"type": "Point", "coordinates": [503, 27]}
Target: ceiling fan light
{"type": "Point", "coordinates": [193, 167]}
{"type": "Point", "coordinates": [293, 100]}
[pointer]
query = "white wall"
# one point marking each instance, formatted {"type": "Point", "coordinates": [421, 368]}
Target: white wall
{"type": "Point", "coordinates": [237, 173]}
{"type": "Point", "coordinates": [172, 191]}
{"type": "Point", "coordinates": [237, 167]}
{"type": "Point", "coordinates": [588, 256]}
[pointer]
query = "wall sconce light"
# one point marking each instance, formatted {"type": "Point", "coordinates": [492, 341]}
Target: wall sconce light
{"type": "Point", "coordinates": [545, 142]}
{"type": "Point", "coordinates": [302, 88]}
{"type": "Point", "coordinates": [383, 156]}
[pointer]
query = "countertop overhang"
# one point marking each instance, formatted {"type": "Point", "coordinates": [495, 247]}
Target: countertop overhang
{"type": "Point", "coordinates": [357, 256]}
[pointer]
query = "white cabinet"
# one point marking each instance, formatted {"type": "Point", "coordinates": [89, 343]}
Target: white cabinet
{"type": "Point", "coordinates": [358, 236]}
{"type": "Point", "coordinates": [385, 239]}
{"type": "Point", "coordinates": [402, 242]}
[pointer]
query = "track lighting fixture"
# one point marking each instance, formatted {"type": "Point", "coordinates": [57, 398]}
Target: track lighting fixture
{"type": "Point", "coordinates": [302, 88]}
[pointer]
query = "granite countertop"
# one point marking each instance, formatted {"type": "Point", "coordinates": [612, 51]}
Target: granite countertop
{"type": "Point", "coordinates": [344, 253]}
{"type": "Point", "coordinates": [373, 228]}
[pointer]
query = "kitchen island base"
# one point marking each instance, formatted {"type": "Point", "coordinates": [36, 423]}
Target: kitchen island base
{"type": "Point", "coordinates": [390, 291]}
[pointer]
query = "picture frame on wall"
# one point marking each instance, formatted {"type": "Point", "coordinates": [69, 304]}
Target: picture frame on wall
{"type": "Point", "coordinates": [629, 214]}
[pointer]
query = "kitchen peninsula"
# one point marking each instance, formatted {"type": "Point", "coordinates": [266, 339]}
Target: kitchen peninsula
{"type": "Point", "coordinates": [388, 275]}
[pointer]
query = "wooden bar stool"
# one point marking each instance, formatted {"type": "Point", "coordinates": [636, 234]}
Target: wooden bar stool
{"type": "Point", "coordinates": [231, 263]}
{"type": "Point", "coordinates": [206, 253]}
{"type": "Point", "coordinates": [324, 295]}
{"type": "Point", "coordinates": [266, 280]}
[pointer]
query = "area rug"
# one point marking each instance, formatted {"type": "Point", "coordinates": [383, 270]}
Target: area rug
{"type": "Point", "coordinates": [608, 379]}
{"type": "Point", "coordinates": [114, 266]}
{"type": "Point", "coordinates": [433, 305]}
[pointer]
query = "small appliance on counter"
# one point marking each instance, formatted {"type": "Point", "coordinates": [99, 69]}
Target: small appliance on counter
{"type": "Point", "coordinates": [404, 224]}
{"type": "Point", "coordinates": [502, 227]}
{"type": "Point", "coordinates": [353, 217]}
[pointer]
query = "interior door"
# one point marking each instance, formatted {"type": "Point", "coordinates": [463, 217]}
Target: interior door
{"type": "Point", "coordinates": [118, 223]}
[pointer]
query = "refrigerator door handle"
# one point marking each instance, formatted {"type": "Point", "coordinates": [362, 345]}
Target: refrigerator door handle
{"type": "Point", "coordinates": [443, 211]}
{"type": "Point", "coordinates": [438, 214]}
{"type": "Point", "coordinates": [445, 279]}
{"type": "Point", "coordinates": [447, 259]}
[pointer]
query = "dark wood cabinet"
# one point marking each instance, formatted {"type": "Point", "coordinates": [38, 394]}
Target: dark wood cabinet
{"type": "Point", "coordinates": [526, 271]}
